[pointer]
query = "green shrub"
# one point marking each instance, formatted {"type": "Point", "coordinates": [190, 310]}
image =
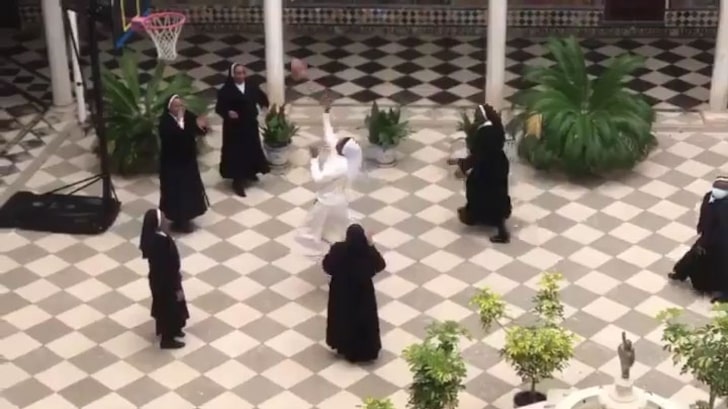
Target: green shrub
{"type": "Point", "coordinates": [590, 125]}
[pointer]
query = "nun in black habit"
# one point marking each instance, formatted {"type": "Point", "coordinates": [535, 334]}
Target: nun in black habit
{"type": "Point", "coordinates": [352, 323]}
{"type": "Point", "coordinates": [182, 194]}
{"type": "Point", "coordinates": [706, 263]}
{"type": "Point", "coordinates": [169, 308]}
{"type": "Point", "coordinates": [487, 169]}
{"type": "Point", "coordinates": [242, 156]}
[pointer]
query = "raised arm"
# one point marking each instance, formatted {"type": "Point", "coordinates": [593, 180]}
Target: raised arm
{"type": "Point", "coordinates": [329, 135]}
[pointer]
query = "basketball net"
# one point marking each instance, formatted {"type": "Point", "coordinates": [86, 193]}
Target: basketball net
{"type": "Point", "coordinates": [164, 30]}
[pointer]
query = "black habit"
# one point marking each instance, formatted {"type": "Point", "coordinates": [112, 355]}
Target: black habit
{"type": "Point", "coordinates": [182, 194]}
{"type": "Point", "coordinates": [706, 263]}
{"type": "Point", "coordinates": [242, 156]}
{"type": "Point", "coordinates": [169, 308]}
{"type": "Point", "coordinates": [486, 186]}
{"type": "Point", "coordinates": [352, 324]}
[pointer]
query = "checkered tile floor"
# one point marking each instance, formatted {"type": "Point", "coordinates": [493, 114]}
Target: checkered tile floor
{"type": "Point", "coordinates": [75, 329]}
{"type": "Point", "coordinates": [418, 71]}
{"type": "Point", "coordinates": [24, 127]}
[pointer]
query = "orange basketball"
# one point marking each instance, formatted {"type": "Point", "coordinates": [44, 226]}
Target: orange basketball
{"type": "Point", "coordinates": [299, 69]}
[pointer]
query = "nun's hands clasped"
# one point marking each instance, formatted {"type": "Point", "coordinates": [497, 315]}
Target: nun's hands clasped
{"type": "Point", "coordinates": [232, 115]}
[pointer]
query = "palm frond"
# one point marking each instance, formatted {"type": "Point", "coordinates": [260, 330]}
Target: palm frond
{"type": "Point", "coordinates": [589, 125]}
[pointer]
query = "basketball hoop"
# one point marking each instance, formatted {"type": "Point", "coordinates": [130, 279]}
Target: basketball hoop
{"type": "Point", "coordinates": [164, 29]}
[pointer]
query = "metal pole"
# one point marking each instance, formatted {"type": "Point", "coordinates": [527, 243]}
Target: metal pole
{"type": "Point", "coordinates": [98, 96]}
{"type": "Point", "coordinates": [77, 75]}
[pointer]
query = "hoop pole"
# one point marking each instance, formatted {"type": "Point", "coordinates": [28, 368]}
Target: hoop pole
{"type": "Point", "coordinates": [98, 99]}
{"type": "Point", "coordinates": [77, 77]}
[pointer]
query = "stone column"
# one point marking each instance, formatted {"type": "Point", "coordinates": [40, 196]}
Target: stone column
{"type": "Point", "coordinates": [57, 52]}
{"type": "Point", "coordinates": [274, 67]}
{"type": "Point", "coordinates": [495, 74]}
{"type": "Point", "coordinates": [719, 82]}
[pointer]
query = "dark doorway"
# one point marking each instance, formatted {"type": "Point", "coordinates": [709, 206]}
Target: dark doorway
{"type": "Point", "coordinates": [635, 10]}
{"type": "Point", "coordinates": [10, 17]}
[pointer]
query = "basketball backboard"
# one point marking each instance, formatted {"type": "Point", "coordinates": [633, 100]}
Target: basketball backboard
{"type": "Point", "coordinates": [123, 13]}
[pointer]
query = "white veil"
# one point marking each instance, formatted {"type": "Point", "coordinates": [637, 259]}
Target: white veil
{"type": "Point", "coordinates": [354, 159]}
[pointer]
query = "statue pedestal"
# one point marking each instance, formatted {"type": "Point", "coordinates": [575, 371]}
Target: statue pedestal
{"type": "Point", "coordinates": [622, 395]}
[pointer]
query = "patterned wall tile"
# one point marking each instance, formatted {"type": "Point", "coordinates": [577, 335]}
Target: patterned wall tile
{"type": "Point", "coordinates": [691, 18]}
{"type": "Point", "coordinates": [417, 19]}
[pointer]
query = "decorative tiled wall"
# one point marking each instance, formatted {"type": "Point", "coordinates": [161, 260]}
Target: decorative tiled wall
{"type": "Point", "coordinates": [414, 19]}
{"type": "Point", "coordinates": [691, 18]}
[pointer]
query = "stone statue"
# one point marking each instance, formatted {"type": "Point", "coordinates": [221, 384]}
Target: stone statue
{"type": "Point", "coordinates": [626, 355]}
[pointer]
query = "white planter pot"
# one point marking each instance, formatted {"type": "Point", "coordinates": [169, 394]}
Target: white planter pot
{"type": "Point", "coordinates": [277, 157]}
{"type": "Point", "coordinates": [383, 157]}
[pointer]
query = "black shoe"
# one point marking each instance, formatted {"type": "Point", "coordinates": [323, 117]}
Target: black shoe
{"type": "Point", "coordinates": [239, 188]}
{"type": "Point", "coordinates": [676, 277]}
{"type": "Point", "coordinates": [501, 239]}
{"type": "Point", "coordinates": [171, 344]}
{"type": "Point", "coordinates": [180, 334]}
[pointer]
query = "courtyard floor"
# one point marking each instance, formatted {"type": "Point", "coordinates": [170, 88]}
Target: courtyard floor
{"type": "Point", "coordinates": [424, 70]}
{"type": "Point", "coordinates": [75, 330]}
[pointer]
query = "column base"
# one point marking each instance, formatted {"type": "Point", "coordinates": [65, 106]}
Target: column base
{"type": "Point", "coordinates": [715, 118]}
{"type": "Point", "coordinates": [64, 108]}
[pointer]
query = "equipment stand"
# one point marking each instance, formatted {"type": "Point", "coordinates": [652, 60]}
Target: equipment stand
{"type": "Point", "coordinates": [67, 212]}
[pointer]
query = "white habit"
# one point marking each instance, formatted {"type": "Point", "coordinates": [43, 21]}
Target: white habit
{"type": "Point", "coordinates": [329, 217]}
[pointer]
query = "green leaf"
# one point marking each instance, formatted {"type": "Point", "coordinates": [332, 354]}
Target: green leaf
{"type": "Point", "coordinates": [590, 126]}
{"type": "Point", "coordinates": [538, 350]}
{"type": "Point", "coordinates": [700, 350]}
{"type": "Point", "coordinates": [277, 131]}
{"type": "Point", "coordinates": [385, 127]}
{"type": "Point", "coordinates": [437, 367]}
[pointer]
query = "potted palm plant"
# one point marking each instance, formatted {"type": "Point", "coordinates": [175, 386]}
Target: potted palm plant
{"type": "Point", "coordinates": [469, 125]}
{"type": "Point", "coordinates": [278, 133]}
{"type": "Point", "coordinates": [535, 351]}
{"type": "Point", "coordinates": [586, 125]}
{"type": "Point", "coordinates": [386, 130]}
{"type": "Point", "coordinates": [133, 111]}
{"type": "Point", "coordinates": [438, 368]}
{"type": "Point", "coordinates": [700, 350]}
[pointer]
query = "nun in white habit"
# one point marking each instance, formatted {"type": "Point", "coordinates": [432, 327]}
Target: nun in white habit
{"type": "Point", "coordinates": [330, 216]}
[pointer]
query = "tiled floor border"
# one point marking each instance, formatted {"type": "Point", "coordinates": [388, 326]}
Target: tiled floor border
{"type": "Point", "coordinates": [450, 21]}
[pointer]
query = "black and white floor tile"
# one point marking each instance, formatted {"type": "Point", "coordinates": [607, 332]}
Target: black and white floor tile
{"type": "Point", "coordinates": [22, 130]}
{"type": "Point", "coordinates": [428, 71]}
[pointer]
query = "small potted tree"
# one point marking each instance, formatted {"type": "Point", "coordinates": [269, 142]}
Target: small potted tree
{"type": "Point", "coordinates": [371, 403]}
{"type": "Point", "coordinates": [438, 368]}
{"type": "Point", "coordinates": [278, 133]}
{"type": "Point", "coordinates": [701, 350]}
{"type": "Point", "coordinates": [386, 130]}
{"type": "Point", "coordinates": [535, 351]}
